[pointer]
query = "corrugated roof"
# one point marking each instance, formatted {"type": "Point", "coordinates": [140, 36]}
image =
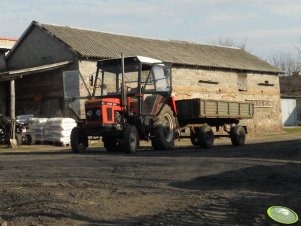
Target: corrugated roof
{"type": "Point", "coordinates": [102, 45]}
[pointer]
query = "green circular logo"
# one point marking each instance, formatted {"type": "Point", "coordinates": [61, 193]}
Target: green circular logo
{"type": "Point", "coordinates": [282, 215]}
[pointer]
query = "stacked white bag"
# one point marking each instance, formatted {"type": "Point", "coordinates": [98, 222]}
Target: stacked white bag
{"type": "Point", "coordinates": [58, 130]}
{"type": "Point", "coordinates": [36, 129]}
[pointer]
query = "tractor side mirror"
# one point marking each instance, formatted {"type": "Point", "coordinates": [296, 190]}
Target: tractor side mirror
{"type": "Point", "coordinates": [91, 80]}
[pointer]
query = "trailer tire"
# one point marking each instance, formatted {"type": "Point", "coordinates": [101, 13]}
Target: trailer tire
{"type": "Point", "coordinates": [110, 143]}
{"type": "Point", "coordinates": [130, 139]}
{"type": "Point", "coordinates": [194, 136]}
{"type": "Point", "coordinates": [163, 135]}
{"type": "Point", "coordinates": [238, 135]}
{"type": "Point", "coordinates": [79, 142]}
{"type": "Point", "coordinates": [206, 136]}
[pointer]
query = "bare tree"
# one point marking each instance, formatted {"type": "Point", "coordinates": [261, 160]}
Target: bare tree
{"type": "Point", "coordinates": [230, 43]}
{"type": "Point", "coordinates": [299, 49]}
{"type": "Point", "coordinates": [286, 62]}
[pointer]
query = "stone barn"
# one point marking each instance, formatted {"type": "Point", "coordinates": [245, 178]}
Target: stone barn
{"type": "Point", "coordinates": [45, 52]}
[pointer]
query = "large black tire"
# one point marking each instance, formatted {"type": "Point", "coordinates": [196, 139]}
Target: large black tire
{"type": "Point", "coordinates": [79, 141]}
{"type": "Point", "coordinates": [238, 135]}
{"type": "Point", "coordinates": [194, 136]}
{"type": "Point", "coordinates": [163, 134]}
{"type": "Point", "coordinates": [206, 136]}
{"type": "Point", "coordinates": [110, 143]}
{"type": "Point", "coordinates": [130, 139]}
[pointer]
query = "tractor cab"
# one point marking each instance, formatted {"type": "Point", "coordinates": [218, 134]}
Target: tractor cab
{"type": "Point", "coordinates": [139, 89]}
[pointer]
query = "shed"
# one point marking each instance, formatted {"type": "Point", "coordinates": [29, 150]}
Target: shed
{"type": "Point", "coordinates": [205, 71]}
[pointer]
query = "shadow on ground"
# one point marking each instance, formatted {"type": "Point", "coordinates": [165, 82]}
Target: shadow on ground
{"type": "Point", "coordinates": [254, 190]}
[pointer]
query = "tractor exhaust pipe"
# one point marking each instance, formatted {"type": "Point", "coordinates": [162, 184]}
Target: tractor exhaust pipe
{"type": "Point", "coordinates": [123, 86]}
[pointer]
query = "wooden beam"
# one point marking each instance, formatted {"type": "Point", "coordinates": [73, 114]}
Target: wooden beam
{"type": "Point", "coordinates": [13, 142]}
{"type": "Point", "coordinates": [11, 75]}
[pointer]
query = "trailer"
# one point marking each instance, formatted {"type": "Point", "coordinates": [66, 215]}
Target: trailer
{"type": "Point", "coordinates": [200, 115]}
{"type": "Point", "coordinates": [132, 100]}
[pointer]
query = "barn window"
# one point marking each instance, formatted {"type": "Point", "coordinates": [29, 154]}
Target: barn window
{"type": "Point", "coordinates": [242, 82]}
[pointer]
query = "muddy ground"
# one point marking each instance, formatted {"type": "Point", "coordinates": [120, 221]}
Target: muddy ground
{"type": "Point", "coordinates": [187, 186]}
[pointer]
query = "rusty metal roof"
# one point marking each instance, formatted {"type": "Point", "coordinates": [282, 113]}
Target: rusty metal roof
{"type": "Point", "coordinates": [102, 45]}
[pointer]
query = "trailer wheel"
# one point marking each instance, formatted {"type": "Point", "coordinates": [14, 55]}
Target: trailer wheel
{"type": "Point", "coordinates": [110, 143]}
{"type": "Point", "coordinates": [79, 142]}
{"type": "Point", "coordinates": [238, 135]}
{"type": "Point", "coordinates": [206, 136]}
{"type": "Point", "coordinates": [163, 135]}
{"type": "Point", "coordinates": [194, 136]}
{"type": "Point", "coordinates": [130, 139]}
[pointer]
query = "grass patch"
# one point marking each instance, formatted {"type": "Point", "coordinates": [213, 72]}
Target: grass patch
{"type": "Point", "coordinates": [293, 130]}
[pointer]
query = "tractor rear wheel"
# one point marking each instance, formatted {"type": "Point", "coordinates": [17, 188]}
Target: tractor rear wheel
{"type": "Point", "coordinates": [163, 135]}
{"type": "Point", "coordinates": [238, 135]}
{"type": "Point", "coordinates": [130, 139]}
{"type": "Point", "coordinates": [79, 141]}
{"type": "Point", "coordinates": [206, 136]}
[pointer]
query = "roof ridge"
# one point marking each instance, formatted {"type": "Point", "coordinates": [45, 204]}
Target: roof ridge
{"type": "Point", "coordinates": [147, 38]}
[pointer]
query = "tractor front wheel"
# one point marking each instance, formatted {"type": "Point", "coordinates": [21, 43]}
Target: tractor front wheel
{"type": "Point", "coordinates": [79, 141]}
{"type": "Point", "coordinates": [130, 139]}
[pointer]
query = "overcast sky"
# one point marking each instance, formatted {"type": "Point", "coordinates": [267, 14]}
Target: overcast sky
{"type": "Point", "coordinates": [267, 25]}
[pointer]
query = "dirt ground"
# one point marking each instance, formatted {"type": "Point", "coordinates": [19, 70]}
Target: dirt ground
{"type": "Point", "coordinates": [225, 185]}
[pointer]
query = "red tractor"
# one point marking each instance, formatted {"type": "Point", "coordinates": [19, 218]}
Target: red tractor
{"type": "Point", "coordinates": [131, 101]}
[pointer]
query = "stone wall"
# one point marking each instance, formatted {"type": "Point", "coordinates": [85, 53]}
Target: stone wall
{"type": "Point", "coordinates": [262, 89]}
{"type": "Point", "coordinates": [38, 48]}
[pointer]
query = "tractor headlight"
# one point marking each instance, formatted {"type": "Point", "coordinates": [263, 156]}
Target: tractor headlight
{"type": "Point", "coordinates": [89, 113]}
{"type": "Point", "coordinates": [98, 112]}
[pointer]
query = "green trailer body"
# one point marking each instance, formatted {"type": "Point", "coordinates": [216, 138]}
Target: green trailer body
{"type": "Point", "coordinates": [193, 109]}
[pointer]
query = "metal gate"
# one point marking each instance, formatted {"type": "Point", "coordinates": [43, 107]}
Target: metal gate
{"type": "Point", "coordinates": [289, 111]}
